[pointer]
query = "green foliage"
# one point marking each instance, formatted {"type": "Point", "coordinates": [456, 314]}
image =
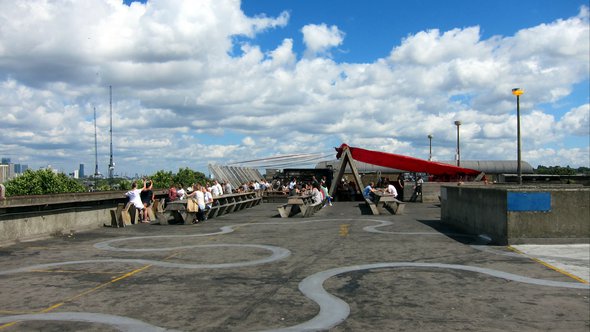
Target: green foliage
{"type": "Point", "coordinates": [187, 176]}
{"type": "Point", "coordinates": [162, 179]}
{"type": "Point", "coordinates": [555, 170]}
{"type": "Point", "coordinates": [42, 182]}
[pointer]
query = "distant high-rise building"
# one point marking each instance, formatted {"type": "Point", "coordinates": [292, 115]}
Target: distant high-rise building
{"type": "Point", "coordinates": [81, 171]}
{"type": "Point", "coordinates": [5, 161]}
{"type": "Point", "coordinates": [24, 168]}
{"type": "Point", "coordinates": [3, 173]}
{"type": "Point", "coordinates": [18, 168]}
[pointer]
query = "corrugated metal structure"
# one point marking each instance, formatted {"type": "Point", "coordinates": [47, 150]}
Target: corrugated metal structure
{"type": "Point", "coordinates": [234, 174]}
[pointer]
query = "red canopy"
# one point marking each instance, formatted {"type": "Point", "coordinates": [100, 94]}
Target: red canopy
{"type": "Point", "coordinates": [405, 163]}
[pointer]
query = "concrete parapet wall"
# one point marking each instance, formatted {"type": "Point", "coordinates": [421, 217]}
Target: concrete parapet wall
{"type": "Point", "coordinates": [514, 215]}
{"type": "Point", "coordinates": [33, 217]}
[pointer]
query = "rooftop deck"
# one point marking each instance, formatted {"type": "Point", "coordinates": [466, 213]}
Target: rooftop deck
{"type": "Point", "coordinates": [342, 270]}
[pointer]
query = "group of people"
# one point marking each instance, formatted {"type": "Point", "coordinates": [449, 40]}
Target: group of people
{"type": "Point", "coordinates": [391, 188]}
{"type": "Point", "coordinates": [254, 185]}
{"type": "Point", "coordinates": [142, 199]}
{"type": "Point", "coordinates": [317, 189]}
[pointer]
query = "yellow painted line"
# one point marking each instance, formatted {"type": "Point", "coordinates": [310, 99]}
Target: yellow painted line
{"type": "Point", "coordinates": [554, 268]}
{"type": "Point", "coordinates": [8, 325]}
{"type": "Point", "coordinates": [57, 305]}
{"type": "Point", "coordinates": [343, 230]}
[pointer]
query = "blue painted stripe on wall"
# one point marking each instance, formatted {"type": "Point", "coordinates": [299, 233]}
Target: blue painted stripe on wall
{"type": "Point", "coordinates": [536, 202]}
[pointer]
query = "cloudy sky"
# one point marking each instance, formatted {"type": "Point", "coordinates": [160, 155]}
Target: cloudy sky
{"type": "Point", "coordinates": [221, 81]}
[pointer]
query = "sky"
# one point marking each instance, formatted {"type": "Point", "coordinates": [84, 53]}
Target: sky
{"type": "Point", "coordinates": [201, 82]}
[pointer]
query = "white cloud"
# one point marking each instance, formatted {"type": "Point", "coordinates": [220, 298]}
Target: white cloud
{"type": "Point", "coordinates": [576, 121]}
{"type": "Point", "coordinates": [320, 38]}
{"type": "Point", "coordinates": [177, 88]}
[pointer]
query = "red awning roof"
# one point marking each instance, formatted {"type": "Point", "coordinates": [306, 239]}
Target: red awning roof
{"type": "Point", "coordinates": [405, 163]}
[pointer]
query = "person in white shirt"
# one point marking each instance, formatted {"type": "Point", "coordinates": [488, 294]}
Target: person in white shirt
{"type": "Point", "coordinates": [316, 194]}
{"type": "Point", "coordinates": [214, 190]}
{"type": "Point", "coordinates": [200, 198]}
{"type": "Point", "coordinates": [219, 187]}
{"type": "Point", "coordinates": [227, 188]}
{"type": "Point", "coordinates": [134, 196]}
{"type": "Point", "coordinates": [391, 189]}
{"type": "Point", "coordinates": [181, 192]}
{"type": "Point", "coordinates": [292, 186]}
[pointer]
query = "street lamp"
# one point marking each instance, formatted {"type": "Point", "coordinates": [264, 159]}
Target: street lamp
{"type": "Point", "coordinates": [430, 144]}
{"type": "Point", "coordinates": [458, 123]}
{"type": "Point", "coordinates": [517, 92]}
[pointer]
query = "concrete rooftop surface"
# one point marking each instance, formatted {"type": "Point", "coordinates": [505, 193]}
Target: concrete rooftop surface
{"type": "Point", "coordinates": [340, 270]}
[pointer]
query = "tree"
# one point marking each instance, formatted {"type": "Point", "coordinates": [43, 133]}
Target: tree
{"type": "Point", "coordinates": [42, 182]}
{"type": "Point", "coordinates": [555, 170]}
{"type": "Point", "coordinates": [162, 179]}
{"type": "Point", "coordinates": [187, 176]}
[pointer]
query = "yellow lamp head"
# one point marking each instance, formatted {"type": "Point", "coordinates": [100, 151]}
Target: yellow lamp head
{"type": "Point", "coordinates": [517, 91]}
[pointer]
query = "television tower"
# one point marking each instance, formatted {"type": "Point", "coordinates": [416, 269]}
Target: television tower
{"type": "Point", "coordinates": [96, 173]}
{"type": "Point", "coordinates": [111, 163]}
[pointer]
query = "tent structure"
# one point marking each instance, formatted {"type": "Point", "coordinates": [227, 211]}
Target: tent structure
{"type": "Point", "coordinates": [348, 154]}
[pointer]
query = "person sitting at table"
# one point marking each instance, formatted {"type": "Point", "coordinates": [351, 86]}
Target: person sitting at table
{"type": "Point", "coordinates": [172, 194]}
{"type": "Point", "coordinates": [316, 194]}
{"type": "Point", "coordinates": [368, 191]}
{"type": "Point", "coordinates": [326, 194]}
{"type": "Point", "coordinates": [391, 190]}
{"type": "Point", "coordinates": [181, 192]}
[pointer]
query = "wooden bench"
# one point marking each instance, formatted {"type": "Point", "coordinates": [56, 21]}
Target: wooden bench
{"type": "Point", "coordinates": [383, 200]}
{"type": "Point", "coordinates": [296, 204]}
{"type": "Point", "coordinates": [372, 206]}
{"type": "Point", "coordinates": [185, 211]}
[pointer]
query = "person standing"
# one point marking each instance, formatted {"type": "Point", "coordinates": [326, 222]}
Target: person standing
{"type": "Point", "coordinates": [417, 189]}
{"type": "Point", "coordinates": [200, 198]}
{"type": "Point", "coordinates": [134, 196]}
{"type": "Point", "coordinates": [399, 187]}
{"type": "Point", "coordinates": [147, 198]}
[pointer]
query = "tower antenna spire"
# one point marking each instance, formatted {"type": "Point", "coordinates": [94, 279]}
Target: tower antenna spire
{"type": "Point", "coordinates": [96, 173]}
{"type": "Point", "coordinates": [111, 163]}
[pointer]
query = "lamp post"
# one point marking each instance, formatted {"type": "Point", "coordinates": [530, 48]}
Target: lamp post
{"type": "Point", "coordinates": [430, 145]}
{"type": "Point", "coordinates": [517, 92]}
{"type": "Point", "coordinates": [458, 123]}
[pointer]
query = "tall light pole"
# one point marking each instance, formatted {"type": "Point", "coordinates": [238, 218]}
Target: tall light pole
{"type": "Point", "coordinates": [430, 145]}
{"type": "Point", "coordinates": [458, 123]}
{"type": "Point", "coordinates": [111, 163]}
{"type": "Point", "coordinates": [517, 92]}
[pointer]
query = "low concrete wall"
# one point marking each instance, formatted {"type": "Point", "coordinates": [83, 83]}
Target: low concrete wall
{"type": "Point", "coordinates": [514, 215]}
{"type": "Point", "coordinates": [430, 190]}
{"type": "Point", "coordinates": [33, 217]}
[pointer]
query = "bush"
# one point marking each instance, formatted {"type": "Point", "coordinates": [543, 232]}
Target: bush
{"type": "Point", "coordinates": [42, 182]}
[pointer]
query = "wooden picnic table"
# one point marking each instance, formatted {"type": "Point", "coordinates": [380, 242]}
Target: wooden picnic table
{"type": "Point", "coordinates": [383, 199]}
{"type": "Point", "coordinates": [298, 203]}
{"type": "Point", "coordinates": [185, 211]}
